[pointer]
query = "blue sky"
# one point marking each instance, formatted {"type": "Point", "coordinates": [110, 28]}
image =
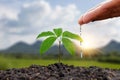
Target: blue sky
{"type": "Point", "coordinates": [83, 5]}
{"type": "Point", "coordinates": [23, 20]}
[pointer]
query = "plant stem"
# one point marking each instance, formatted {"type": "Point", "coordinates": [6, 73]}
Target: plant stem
{"type": "Point", "coordinates": [59, 56]}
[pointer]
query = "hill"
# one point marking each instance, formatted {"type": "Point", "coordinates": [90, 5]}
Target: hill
{"type": "Point", "coordinates": [112, 46]}
{"type": "Point", "coordinates": [22, 47]}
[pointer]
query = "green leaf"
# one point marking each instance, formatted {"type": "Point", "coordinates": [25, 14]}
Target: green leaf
{"type": "Point", "coordinates": [69, 45]}
{"type": "Point", "coordinates": [58, 31]}
{"type": "Point", "coordinates": [46, 44]}
{"type": "Point", "coordinates": [44, 34]}
{"type": "Point", "coordinates": [72, 36]}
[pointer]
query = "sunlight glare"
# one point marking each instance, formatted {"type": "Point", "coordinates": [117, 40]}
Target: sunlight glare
{"type": "Point", "coordinates": [86, 45]}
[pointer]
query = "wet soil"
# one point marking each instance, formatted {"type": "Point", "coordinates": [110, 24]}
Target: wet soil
{"type": "Point", "coordinates": [59, 71]}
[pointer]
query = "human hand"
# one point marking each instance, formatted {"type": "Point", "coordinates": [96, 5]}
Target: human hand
{"type": "Point", "coordinates": [108, 9]}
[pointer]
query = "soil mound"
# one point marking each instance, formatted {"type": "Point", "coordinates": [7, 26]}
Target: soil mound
{"type": "Point", "coordinates": [59, 71]}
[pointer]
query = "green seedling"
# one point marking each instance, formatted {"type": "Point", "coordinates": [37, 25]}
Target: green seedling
{"type": "Point", "coordinates": [62, 37]}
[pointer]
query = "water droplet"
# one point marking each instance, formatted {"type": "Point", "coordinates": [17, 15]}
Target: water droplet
{"type": "Point", "coordinates": [81, 54]}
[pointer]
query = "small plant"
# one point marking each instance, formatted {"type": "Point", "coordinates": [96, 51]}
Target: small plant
{"type": "Point", "coordinates": [62, 37]}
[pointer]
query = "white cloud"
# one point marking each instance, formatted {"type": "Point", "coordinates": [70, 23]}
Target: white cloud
{"type": "Point", "coordinates": [65, 14]}
{"type": "Point", "coordinates": [6, 12]}
{"type": "Point", "coordinates": [33, 18]}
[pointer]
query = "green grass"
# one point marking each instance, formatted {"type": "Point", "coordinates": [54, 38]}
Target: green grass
{"type": "Point", "coordinates": [7, 62]}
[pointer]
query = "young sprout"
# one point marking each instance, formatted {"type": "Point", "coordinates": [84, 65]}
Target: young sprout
{"type": "Point", "coordinates": [63, 37]}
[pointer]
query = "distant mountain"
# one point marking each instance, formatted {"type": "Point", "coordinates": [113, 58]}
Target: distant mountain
{"type": "Point", "coordinates": [112, 46]}
{"type": "Point", "coordinates": [22, 47]}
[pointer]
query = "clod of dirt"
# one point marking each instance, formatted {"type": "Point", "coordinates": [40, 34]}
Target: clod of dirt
{"type": "Point", "coordinates": [59, 71]}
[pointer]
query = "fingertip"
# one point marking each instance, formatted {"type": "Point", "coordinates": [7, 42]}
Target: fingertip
{"type": "Point", "coordinates": [80, 21]}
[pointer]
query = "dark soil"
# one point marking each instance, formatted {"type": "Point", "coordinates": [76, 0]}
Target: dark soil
{"type": "Point", "coordinates": [59, 71]}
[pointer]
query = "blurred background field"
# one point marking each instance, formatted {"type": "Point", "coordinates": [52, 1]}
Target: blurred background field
{"type": "Point", "coordinates": [19, 61]}
{"type": "Point", "coordinates": [23, 55]}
